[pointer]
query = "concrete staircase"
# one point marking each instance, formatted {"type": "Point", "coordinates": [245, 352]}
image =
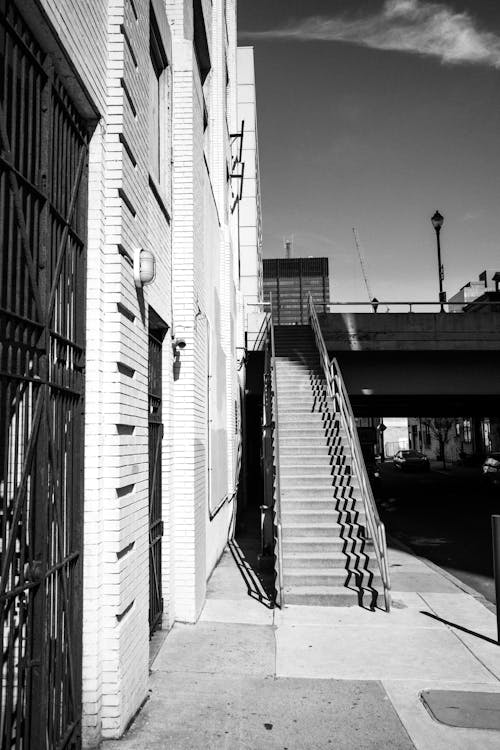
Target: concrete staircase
{"type": "Point", "coordinates": [325, 554]}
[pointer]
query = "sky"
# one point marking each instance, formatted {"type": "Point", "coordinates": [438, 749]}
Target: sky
{"type": "Point", "coordinates": [373, 115]}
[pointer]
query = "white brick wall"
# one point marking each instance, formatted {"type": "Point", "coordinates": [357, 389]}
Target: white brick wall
{"type": "Point", "coordinates": [188, 226]}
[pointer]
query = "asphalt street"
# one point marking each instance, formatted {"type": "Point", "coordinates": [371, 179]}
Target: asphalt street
{"type": "Point", "coordinates": [444, 516]}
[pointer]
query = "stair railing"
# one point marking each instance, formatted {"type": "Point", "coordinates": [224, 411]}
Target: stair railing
{"type": "Point", "coordinates": [342, 406]}
{"type": "Point", "coordinates": [272, 492]}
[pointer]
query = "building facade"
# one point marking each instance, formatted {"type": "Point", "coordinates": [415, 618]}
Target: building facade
{"type": "Point", "coordinates": [462, 439]}
{"type": "Point", "coordinates": [289, 281]}
{"type": "Point", "coordinates": [135, 383]}
{"type": "Point", "coordinates": [487, 283]}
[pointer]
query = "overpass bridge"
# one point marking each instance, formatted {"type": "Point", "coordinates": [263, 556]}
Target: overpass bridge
{"type": "Point", "coordinates": [411, 363]}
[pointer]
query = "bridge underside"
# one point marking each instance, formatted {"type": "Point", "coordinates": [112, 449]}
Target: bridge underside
{"type": "Point", "coordinates": [450, 383]}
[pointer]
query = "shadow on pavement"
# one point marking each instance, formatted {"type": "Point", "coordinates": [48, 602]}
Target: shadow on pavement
{"type": "Point", "coordinates": [459, 627]}
{"type": "Point", "coordinates": [257, 572]}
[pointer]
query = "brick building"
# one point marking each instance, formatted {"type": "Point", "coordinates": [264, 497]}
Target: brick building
{"type": "Point", "coordinates": [151, 87]}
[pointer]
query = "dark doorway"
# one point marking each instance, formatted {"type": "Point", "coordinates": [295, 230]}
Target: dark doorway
{"type": "Point", "coordinates": [157, 332]}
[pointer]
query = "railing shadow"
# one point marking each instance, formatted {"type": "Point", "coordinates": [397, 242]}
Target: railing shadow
{"type": "Point", "coordinates": [360, 577]}
{"type": "Point", "coordinates": [459, 627]}
{"type": "Point", "coordinates": [257, 573]}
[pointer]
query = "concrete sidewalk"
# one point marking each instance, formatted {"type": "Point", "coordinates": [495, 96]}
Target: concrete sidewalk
{"type": "Point", "coordinates": [304, 678]}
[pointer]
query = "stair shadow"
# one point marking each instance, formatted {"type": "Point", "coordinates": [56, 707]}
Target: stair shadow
{"type": "Point", "coordinates": [353, 533]}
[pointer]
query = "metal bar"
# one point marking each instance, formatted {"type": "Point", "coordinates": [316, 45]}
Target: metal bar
{"type": "Point", "coordinates": [19, 216]}
{"type": "Point", "coordinates": [276, 443]}
{"type": "Point", "coordinates": [20, 491]}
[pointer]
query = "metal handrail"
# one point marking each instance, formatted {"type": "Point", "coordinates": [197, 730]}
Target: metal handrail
{"type": "Point", "coordinates": [272, 490]}
{"type": "Point", "coordinates": [342, 406]}
{"type": "Point", "coordinates": [277, 486]}
{"type": "Point", "coordinates": [237, 477]}
{"type": "Point", "coordinates": [261, 334]}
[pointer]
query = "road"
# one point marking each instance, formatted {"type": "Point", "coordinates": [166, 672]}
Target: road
{"type": "Point", "coordinates": [444, 517]}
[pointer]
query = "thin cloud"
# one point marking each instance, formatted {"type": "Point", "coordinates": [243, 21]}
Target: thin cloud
{"type": "Point", "coordinates": [425, 28]}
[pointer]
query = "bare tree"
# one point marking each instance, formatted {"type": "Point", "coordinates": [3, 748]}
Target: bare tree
{"type": "Point", "coordinates": [440, 428]}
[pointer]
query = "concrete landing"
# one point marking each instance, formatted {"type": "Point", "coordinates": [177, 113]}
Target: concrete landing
{"type": "Point", "coordinates": [247, 677]}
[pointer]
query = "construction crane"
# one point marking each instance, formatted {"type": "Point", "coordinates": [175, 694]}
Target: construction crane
{"type": "Point", "coordinates": [373, 300]}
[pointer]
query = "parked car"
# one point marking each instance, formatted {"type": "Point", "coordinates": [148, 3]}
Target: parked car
{"type": "Point", "coordinates": [491, 468]}
{"type": "Point", "coordinates": [411, 461]}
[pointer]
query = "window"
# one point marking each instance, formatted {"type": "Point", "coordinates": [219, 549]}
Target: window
{"type": "Point", "coordinates": [486, 430]}
{"type": "Point", "coordinates": [200, 41]}
{"type": "Point", "coordinates": [427, 436]}
{"type": "Point", "coordinates": [158, 102]}
{"type": "Point", "coordinates": [467, 431]}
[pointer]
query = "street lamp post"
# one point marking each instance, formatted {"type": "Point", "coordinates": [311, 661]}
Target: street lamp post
{"type": "Point", "coordinates": [437, 223]}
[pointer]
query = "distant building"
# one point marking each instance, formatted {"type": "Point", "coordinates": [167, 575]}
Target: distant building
{"type": "Point", "coordinates": [467, 437]}
{"type": "Point", "coordinates": [289, 281]}
{"type": "Point", "coordinates": [395, 435]}
{"type": "Point", "coordinates": [474, 292]}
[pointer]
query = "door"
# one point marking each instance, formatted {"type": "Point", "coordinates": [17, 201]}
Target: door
{"type": "Point", "coordinates": [43, 218]}
{"type": "Point", "coordinates": [155, 427]}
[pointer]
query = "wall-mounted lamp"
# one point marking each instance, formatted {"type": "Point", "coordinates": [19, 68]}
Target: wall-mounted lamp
{"type": "Point", "coordinates": [144, 267]}
{"type": "Point", "coordinates": [178, 343]}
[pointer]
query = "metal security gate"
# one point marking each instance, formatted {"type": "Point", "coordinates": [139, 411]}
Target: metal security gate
{"type": "Point", "coordinates": [155, 497]}
{"type": "Point", "coordinates": [43, 215]}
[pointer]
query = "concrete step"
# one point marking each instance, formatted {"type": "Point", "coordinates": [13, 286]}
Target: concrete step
{"type": "Point", "coordinates": [306, 433]}
{"type": "Point", "coordinates": [289, 478]}
{"type": "Point", "coordinates": [332, 493]}
{"type": "Point", "coordinates": [323, 596]}
{"type": "Point", "coordinates": [312, 457]}
{"type": "Point", "coordinates": [297, 446]}
{"type": "Point", "coordinates": [312, 530]}
{"type": "Point", "coordinates": [292, 374]}
{"type": "Point", "coordinates": [290, 387]}
{"type": "Point", "coordinates": [311, 517]}
{"type": "Point", "coordinates": [309, 463]}
{"type": "Point", "coordinates": [326, 559]}
{"type": "Point", "coordinates": [310, 392]}
{"type": "Point", "coordinates": [315, 577]}
{"type": "Point", "coordinates": [298, 407]}
{"type": "Point", "coordinates": [316, 504]}
{"type": "Point", "coordinates": [338, 442]}
{"type": "Point", "coordinates": [313, 469]}
{"type": "Point", "coordinates": [305, 418]}
{"type": "Point", "coordinates": [284, 355]}
{"type": "Point", "coordinates": [306, 484]}
{"type": "Point", "coordinates": [317, 483]}
{"type": "Point", "coordinates": [287, 385]}
{"type": "Point", "coordinates": [308, 545]}
{"type": "Point", "coordinates": [297, 369]}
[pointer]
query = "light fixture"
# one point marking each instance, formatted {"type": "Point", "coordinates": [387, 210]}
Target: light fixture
{"type": "Point", "coordinates": [179, 343]}
{"type": "Point", "coordinates": [437, 223]}
{"type": "Point", "coordinates": [437, 220]}
{"type": "Point", "coordinates": [144, 267]}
